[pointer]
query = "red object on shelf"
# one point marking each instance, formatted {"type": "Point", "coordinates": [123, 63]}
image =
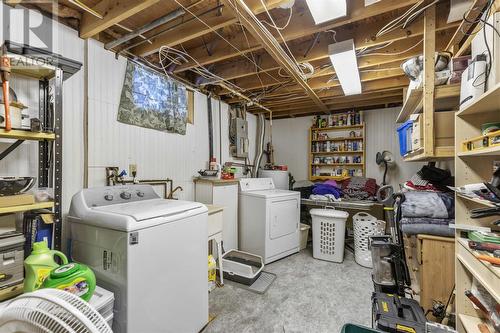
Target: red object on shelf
{"type": "Point", "coordinates": [281, 167]}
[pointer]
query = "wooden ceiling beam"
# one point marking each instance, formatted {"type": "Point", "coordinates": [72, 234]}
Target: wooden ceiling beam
{"type": "Point", "coordinates": [243, 68]}
{"type": "Point", "coordinates": [113, 11]}
{"type": "Point", "coordinates": [297, 105]}
{"type": "Point", "coordinates": [341, 106]}
{"type": "Point", "coordinates": [195, 28]}
{"type": "Point", "coordinates": [369, 86]}
{"type": "Point", "coordinates": [323, 83]}
{"type": "Point", "coordinates": [265, 81]}
{"type": "Point", "coordinates": [278, 54]}
{"type": "Point", "coordinates": [465, 27]}
{"type": "Point", "coordinates": [362, 33]}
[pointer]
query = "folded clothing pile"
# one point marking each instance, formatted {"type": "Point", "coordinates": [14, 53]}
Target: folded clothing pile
{"type": "Point", "coordinates": [428, 213]}
{"type": "Point", "coordinates": [360, 188]}
{"type": "Point", "coordinates": [431, 178]}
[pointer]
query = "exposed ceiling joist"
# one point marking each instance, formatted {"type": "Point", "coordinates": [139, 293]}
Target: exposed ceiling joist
{"type": "Point", "coordinates": [301, 105]}
{"type": "Point", "coordinates": [324, 81]}
{"type": "Point", "coordinates": [195, 28]}
{"type": "Point", "coordinates": [342, 106]}
{"type": "Point", "coordinates": [363, 37]}
{"type": "Point", "coordinates": [278, 54]}
{"type": "Point", "coordinates": [113, 11]}
{"type": "Point", "coordinates": [464, 28]}
{"type": "Point", "coordinates": [369, 86]}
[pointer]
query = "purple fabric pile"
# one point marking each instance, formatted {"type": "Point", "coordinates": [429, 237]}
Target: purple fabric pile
{"type": "Point", "coordinates": [328, 187]}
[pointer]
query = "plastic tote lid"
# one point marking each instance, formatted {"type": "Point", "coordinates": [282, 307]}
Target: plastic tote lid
{"type": "Point", "coordinates": [329, 213]}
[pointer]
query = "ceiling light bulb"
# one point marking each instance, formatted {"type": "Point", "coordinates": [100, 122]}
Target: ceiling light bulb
{"type": "Point", "coordinates": [344, 61]}
{"type": "Point", "coordinates": [327, 10]}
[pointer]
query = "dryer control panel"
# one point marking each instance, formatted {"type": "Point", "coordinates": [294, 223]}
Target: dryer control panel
{"type": "Point", "coordinates": [256, 184]}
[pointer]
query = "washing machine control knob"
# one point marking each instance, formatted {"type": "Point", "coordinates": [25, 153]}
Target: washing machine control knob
{"type": "Point", "coordinates": [140, 194]}
{"type": "Point", "coordinates": [108, 197]}
{"type": "Point", "coordinates": [125, 195]}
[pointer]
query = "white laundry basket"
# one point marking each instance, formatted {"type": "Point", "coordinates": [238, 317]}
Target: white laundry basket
{"type": "Point", "coordinates": [365, 226]}
{"type": "Point", "coordinates": [328, 227]}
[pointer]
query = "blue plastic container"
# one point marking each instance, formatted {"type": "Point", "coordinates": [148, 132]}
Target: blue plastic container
{"type": "Point", "coordinates": [404, 134]}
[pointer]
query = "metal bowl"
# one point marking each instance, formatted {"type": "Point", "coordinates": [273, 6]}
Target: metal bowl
{"type": "Point", "coordinates": [15, 185]}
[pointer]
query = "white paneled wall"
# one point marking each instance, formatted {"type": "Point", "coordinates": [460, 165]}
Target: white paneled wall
{"type": "Point", "coordinates": [158, 155]}
{"type": "Point", "coordinates": [291, 137]}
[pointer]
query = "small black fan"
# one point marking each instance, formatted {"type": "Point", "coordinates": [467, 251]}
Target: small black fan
{"type": "Point", "coordinates": [384, 158]}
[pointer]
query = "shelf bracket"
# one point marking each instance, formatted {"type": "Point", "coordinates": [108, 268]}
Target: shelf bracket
{"type": "Point", "coordinates": [10, 149]}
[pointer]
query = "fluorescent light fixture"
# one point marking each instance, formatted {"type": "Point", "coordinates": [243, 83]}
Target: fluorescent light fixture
{"type": "Point", "coordinates": [343, 57]}
{"type": "Point", "coordinates": [327, 10]}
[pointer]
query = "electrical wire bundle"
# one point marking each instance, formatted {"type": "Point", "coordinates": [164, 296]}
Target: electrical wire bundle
{"type": "Point", "coordinates": [406, 19]}
{"type": "Point", "coordinates": [171, 56]}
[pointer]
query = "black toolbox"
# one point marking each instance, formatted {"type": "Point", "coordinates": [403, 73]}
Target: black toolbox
{"type": "Point", "coordinates": [392, 313]}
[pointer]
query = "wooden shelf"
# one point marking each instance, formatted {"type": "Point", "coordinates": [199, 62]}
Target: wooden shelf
{"type": "Point", "coordinates": [24, 208]}
{"type": "Point", "coordinates": [339, 139]}
{"type": "Point", "coordinates": [339, 164]}
{"type": "Point", "coordinates": [488, 102]}
{"type": "Point", "coordinates": [338, 152]}
{"type": "Point", "coordinates": [478, 201]}
{"type": "Point", "coordinates": [446, 98]}
{"type": "Point", "coordinates": [490, 151]}
{"type": "Point", "coordinates": [26, 135]}
{"type": "Point", "coordinates": [439, 153]}
{"type": "Point", "coordinates": [470, 323]}
{"type": "Point", "coordinates": [34, 68]}
{"type": "Point", "coordinates": [337, 128]}
{"type": "Point", "coordinates": [330, 177]}
{"type": "Point", "coordinates": [484, 272]}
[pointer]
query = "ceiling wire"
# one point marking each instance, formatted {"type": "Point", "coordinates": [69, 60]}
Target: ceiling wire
{"type": "Point", "coordinates": [242, 53]}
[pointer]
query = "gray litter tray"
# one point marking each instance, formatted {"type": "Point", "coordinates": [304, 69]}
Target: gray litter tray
{"type": "Point", "coordinates": [242, 267]}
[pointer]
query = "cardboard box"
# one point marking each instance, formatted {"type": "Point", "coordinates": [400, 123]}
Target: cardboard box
{"type": "Point", "coordinates": [17, 200]}
{"type": "Point", "coordinates": [444, 129]}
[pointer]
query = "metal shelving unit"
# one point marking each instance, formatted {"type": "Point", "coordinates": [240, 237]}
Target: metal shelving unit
{"type": "Point", "coordinates": [50, 113]}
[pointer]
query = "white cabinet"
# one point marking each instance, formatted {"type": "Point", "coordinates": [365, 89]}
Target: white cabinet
{"type": "Point", "coordinates": [222, 193]}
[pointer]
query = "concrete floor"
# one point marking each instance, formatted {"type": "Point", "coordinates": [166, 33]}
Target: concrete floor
{"type": "Point", "coordinates": [308, 295]}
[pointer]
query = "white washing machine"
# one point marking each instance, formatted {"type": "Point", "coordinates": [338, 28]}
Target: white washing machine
{"type": "Point", "coordinates": [152, 253]}
{"type": "Point", "coordinates": [269, 219]}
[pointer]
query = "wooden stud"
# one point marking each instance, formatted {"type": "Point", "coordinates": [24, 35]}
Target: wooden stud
{"type": "Point", "coordinates": [113, 11]}
{"type": "Point", "coordinates": [428, 79]}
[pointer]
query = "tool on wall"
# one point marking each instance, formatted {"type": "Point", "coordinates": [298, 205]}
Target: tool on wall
{"type": "Point", "coordinates": [5, 76]}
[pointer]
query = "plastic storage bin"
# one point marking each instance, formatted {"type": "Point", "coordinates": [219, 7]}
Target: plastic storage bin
{"type": "Point", "coordinates": [328, 227]}
{"type": "Point", "coordinates": [242, 267]}
{"type": "Point", "coordinates": [304, 235]}
{"type": "Point", "coordinates": [404, 134]}
{"type": "Point", "coordinates": [365, 226]}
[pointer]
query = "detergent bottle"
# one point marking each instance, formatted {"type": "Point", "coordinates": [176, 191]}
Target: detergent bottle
{"type": "Point", "coordinates": [39, 264]}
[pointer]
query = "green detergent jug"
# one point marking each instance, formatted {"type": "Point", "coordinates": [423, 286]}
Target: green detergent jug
{"type": "Point", "coordinates": [75, 278]}
{"type": "Point", "coordinates": [39, 264]}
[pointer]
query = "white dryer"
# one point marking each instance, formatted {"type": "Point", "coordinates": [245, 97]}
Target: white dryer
{"type": "Point", "coordinates": [269, 219]}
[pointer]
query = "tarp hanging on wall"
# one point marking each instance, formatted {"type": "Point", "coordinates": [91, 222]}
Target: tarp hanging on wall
{"type": "Point", "coordinates": [152, 100]}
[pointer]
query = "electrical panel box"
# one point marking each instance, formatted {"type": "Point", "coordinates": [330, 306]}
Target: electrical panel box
{"type": "Point", "coordinates": [241, 138]}
{"type": "Point", "coordinates": [479, 47]}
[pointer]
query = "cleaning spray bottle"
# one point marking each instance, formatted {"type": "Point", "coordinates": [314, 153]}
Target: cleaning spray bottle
{"type": "Point", "coordinates": [39, 264]}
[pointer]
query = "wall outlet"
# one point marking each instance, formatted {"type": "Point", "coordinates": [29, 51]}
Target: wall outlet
{"type": "Point", "coordinates": [132, 168]}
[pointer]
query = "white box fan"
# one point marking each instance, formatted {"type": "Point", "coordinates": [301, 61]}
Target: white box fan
{"type": "Point", "coordinates": [51, 311]}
